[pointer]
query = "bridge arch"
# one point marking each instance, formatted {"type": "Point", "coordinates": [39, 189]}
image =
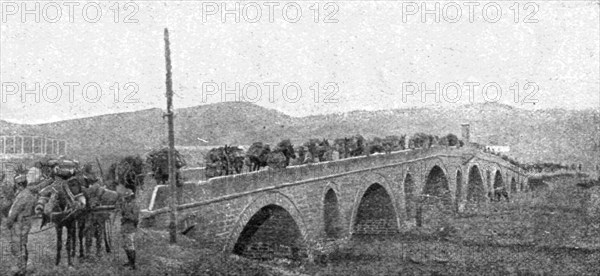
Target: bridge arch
{"type": "Point", "coordinates": [272, 205]}
{"type": "Point", "coordinates": [498, 180]}
{"type": "Point", "coordinates": [436, 183]}
{"type": "Point", "coordinates": [475, 185]}
{"type": "Point", "coordinates": [436, 198]}
{"type": "Point", "coordinates": [375, 207]}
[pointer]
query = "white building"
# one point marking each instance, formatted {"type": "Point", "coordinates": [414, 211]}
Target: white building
{"type": "Point", "coordinates": [498, 149]}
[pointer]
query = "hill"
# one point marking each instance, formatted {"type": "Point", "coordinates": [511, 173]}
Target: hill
{"type": "Point", "coordinates": [556, 135]}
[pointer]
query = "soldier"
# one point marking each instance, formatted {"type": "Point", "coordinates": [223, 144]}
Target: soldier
{"type": "Point", "coordinates": [19, 224]}
{"type": "Point", "coordinates": [129, 222]}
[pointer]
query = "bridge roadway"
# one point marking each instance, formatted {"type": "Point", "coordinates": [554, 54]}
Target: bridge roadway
{"type": "Point", "coordinates": [301, 205]}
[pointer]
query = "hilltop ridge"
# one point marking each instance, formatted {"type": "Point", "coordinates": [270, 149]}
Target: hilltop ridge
{"type": "Point", "coordinates": [556, 135]}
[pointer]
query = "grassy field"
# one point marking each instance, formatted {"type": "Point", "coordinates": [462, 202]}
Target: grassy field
{"type": "Point", "coordinates": [547, 232]}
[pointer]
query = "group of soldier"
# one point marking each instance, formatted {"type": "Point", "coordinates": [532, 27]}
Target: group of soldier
{"type": "Point", "coordinates": [35, 191]}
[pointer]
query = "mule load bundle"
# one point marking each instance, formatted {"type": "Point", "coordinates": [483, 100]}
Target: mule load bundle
{"type": "Point", "coordinates": [224, 161]}
{"type": "Point", "coordinates": [159, 164]}
{"type": "Point", "coordinates": [261, 155]}
{"type": "Point", "coordinates": [56, 172]}
{"type": "Point", "coordinates": [61, 167]}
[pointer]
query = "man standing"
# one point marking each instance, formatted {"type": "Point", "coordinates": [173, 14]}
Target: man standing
{"type": "Point", "coordinates": [129, 222]}
{"type": "Point", "coordinates": [19, 223]}
{"type": "Point", "coordinates": [21, 214]}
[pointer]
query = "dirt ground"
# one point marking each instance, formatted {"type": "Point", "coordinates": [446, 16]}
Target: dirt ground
{"type": "Point", "coordinates": [543, 233]}
{"type": "Point", "coordinates": [547, 232]}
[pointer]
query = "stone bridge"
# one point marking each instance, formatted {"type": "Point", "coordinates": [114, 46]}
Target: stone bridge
{"type": "Point", "coordinates": [299, 206]}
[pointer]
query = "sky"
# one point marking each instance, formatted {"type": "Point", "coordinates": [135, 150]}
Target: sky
{"type": "Point", "coordinates": [329, 58]}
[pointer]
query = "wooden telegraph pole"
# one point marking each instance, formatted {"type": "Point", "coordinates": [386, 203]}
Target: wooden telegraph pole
{"type": "Point", "coordinates": [172, 200]}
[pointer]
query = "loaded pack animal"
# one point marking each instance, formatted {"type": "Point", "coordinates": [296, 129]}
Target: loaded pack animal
{"type": "Point", "coordinates": [235, 159]}
{"type": "Point", "coordinates": [63, 203]}
{"type": "Point", "coordinates": [375, 146]}
{"type": "Point", "coordinates": [324, 151]}
{"type": "Point", "coordinates": [318, 150]}
{"type": "Point", "coordinates": [341, 145]}
{"type": "Point", "coordinates": [215, 166]}
{"type": "Point", "coordinates": [393, 143]}
{"type": "Point", "coordinates": [257, 155]}
{"type": "Point", "coordinates": [127, 173]}
{"type": "Point", "coordinates": [300, 155]}
{"type": "Point", "coordinates": [94, 225]}
{"type": "Point", "coordinates": [351, 147]}
{"type": "Point", "coordinates": [280, 157]}
{"type": "Point", "coordinates": [159, 164]}
{"type": "Point", "coordinates": [224, 161]}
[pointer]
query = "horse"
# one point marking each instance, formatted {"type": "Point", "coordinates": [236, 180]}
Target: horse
{"type": "Point", "coordinates": [69, 200]}
{"type": "Point", "coordinates": [234, 157]}
{"type": "Point", "coordinates": [287, 149]}
{"type": "Point", "coordinates": [257, 156]}
{"type": "Point", "coordinates": [65, 209]}
{"type": "Point", "coordinates": [128, 172]}
{"type": "Point", "coordinates": [224, 161]}
{"type": "Point", "coordinates": [276, 159]}
{"type": "Point", "coordinates": [92, 225]}
{"type": "Point", "coordinates": [158, 161]}
{"type": "Point", "coordinates": [341, 145]}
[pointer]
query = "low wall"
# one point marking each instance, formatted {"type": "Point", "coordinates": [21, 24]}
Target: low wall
{"type": "Point", "coordinates": [191, 175]}
{"type": "Point", "coordinates": [236, 184]}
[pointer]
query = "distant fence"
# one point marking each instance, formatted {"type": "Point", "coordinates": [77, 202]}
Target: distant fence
{"type": "Point", "coordinates": [22, 145]}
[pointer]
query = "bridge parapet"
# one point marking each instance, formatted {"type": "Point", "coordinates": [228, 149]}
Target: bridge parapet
{"type": "Point", "coordinates": [240, 183]}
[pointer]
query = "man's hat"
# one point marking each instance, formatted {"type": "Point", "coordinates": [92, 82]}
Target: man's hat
{"type": "Point", "coordinates": [20, 179]}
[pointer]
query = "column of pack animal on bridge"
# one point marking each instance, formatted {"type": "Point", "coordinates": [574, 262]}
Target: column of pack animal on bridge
{"type": "Point", "coordinates": [228, 159]}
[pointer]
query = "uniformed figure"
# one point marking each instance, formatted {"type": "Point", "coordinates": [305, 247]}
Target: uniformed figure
{"type": "Point", "coordinates": [21, 214]}
{"type": "Point", "coordinates": [129, 222]}
{"type": "Point", "coordinates": [19, 224]}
